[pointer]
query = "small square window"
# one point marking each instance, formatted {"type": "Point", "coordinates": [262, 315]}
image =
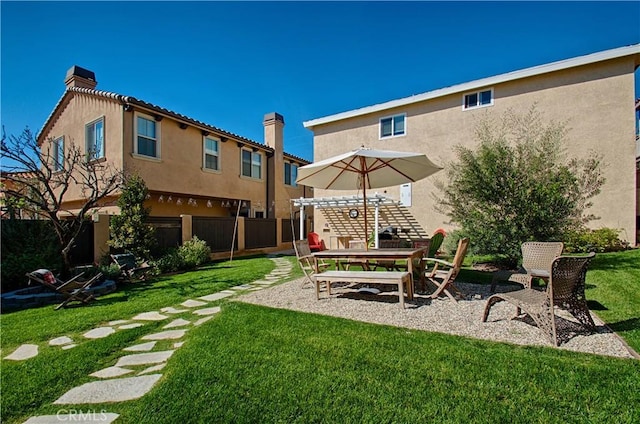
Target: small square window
{"type": "Point", "coordinates": [392, 126]}
{"type": "Point", "coordinates": [477, 99]}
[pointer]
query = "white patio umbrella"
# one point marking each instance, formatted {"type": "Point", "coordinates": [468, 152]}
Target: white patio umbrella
{"type": "Point", "coordinates": [364, 169]}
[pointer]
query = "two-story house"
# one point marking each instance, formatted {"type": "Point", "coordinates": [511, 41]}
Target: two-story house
{"type": "Point", "coordinates": [190, 167]}
{"type": "Point", "coordinates": [594, 94]}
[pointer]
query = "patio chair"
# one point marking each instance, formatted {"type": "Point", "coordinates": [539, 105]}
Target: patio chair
{"type": "Point", "coordinates": [364, 264]}
{"type": "Point", "coordinates": [564, 290]}
{"type": "Point", "coordinates": [315, 244]}
{"type": "Point", "coordinates": [389, 265]}
{"type": "Point", "coordinates": [129, 268]}
{"type": "Point", "coordinates": [436, 241]}
{"type": "Point", "coordinates": [443, 274]}
{"type": "Point", "coordinates": [306, 262]}
{"type": "Point", "coordinates": [72, 290]}
{"type": "Point", "coordinates": [537, 257]}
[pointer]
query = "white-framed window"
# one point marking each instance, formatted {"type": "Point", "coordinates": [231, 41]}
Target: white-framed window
{"type": "Point", "coordinates": [211, 153]}
{"type": "Point", "coordinates": [251, 164]}
{"type": "Point", "coordinates": [58, 154]}
{"type": "Point", "coordinates": [477, 99]}
{"type": "Point", "coordinates": [147, 142]}
{"type": "Point", "coordinates": [393, 126]}
{"type": "Point", "coordinates": [94, 139]}
{"type": "Point", "coordinates": [290, 174]}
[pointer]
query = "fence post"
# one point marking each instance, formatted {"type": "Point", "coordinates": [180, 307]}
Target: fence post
{"type": "Point", "coordinates": [279, 225]}
{"type": "Point", "coordinates": [240, 234]}
{"type": "Point", "coordinates": [187, 228]}
{"type": "Point", "coordinates": [100, 236]}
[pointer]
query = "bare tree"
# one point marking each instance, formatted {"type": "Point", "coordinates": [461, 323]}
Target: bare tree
{"type": "Point", "coordinates": [45, 180]}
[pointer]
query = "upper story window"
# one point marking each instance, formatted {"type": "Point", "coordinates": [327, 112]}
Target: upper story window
{"type": "Point", "coordinates": [211, 153]}
{"type": "Point", "coordinates": [94, 139]}
{"type": "Point", "coordinates": [392, 126]}
{"type": "Point", "coordinates": [58, 154]}
{"type": "Point", "coordinates": [477, 99]}
{"type": "Point", "coordinates": [290, 174]}
{"type": "Point", "coordinates": [147, 141]}
{"type": "Point", "coordinates": [251, 164]}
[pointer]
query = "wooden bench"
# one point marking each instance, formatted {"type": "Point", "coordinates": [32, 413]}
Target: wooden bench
{"type": "Point", "coordinates": [402, 279]}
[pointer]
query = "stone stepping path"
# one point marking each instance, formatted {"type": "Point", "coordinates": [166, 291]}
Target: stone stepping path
{"type": "Point", "coordinates": [177, 323]}
{"type": "Point", "coordinates": [143, 347]}
{"type": "Point", "coordinates": [60, 341]}
{"type": "Point", "coordinates": [150, 316]}
{"type": "Point", "coordinates": [165, 335]}
{"type": "Point", "coordinates": [193, 303]}
{"type": "Point", "coordinates": [207, 311]}
{"type": "Point", "coordinates": [99, 333]}
{"type": "Point", "coordinates": [23, 352]}
{"type": "Point", "coordinates": [116, 390]}
{"type": "Point", "coordinates": [112, 386]}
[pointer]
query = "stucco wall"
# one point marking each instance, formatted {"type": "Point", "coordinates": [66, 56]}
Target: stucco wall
{"type": "Point", "coordinates": [596, 100]}
{"type": "Point", "coordinates": [80, 110]}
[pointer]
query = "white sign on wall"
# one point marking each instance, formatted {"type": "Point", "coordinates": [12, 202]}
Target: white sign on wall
{"type": "Point", "coordinates": [405, 194]}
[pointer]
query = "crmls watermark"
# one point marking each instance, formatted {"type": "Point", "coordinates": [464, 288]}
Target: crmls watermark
{"type": "Point", "coordinates": [78, 415]}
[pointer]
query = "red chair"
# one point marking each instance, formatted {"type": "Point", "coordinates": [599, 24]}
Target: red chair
{"type": "Point", "coordinates": [315, 244]}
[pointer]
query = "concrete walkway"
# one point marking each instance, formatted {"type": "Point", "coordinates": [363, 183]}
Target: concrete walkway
{"type": "Point", "coordinates": [136, 372]}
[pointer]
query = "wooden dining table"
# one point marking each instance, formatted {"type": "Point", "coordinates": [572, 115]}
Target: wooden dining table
{"type": "Point", "coordinates": [411, 255]}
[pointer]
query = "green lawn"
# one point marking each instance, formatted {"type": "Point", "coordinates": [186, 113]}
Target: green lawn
{"type": "Point", "coordinates": [257, 364]}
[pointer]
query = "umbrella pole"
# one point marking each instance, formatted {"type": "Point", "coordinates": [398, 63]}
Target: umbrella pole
{"type": "Point", "coordinates": [366, 235]}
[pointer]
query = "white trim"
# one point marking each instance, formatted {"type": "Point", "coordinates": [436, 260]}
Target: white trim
{"type": "Point", "coordinates": [204, 153]}
{"type": "Point", "coordinates": [261, 165]}
{"type": "Point", "coordinates": [478, 106]}
{"type": "Point", "coordinates": [104, 130]}
{"type": "Point", "coordinates": [57, 166]}
{"type": "Point", "coordinates": [484, 82]}
{"type": "Point", "coordinates": [158, 125]}
{"type": "Point", "coordinates": [404, 117]}
{"type": "Point", "coordinates": [293, 182]}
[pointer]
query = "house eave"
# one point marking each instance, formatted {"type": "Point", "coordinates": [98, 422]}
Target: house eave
{"type": "Point", "coordinates": [480, 83]}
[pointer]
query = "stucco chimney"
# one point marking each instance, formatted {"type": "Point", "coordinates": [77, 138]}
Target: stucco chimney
{"type": "Point", "coordinates": [274, 137]}
{"type": "Point", "coordinates": [274, 131]}
{"type": "Point", "coordinates": [80, 77]}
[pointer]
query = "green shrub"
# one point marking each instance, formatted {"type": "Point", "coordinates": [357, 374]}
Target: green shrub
{"type": "Point", "coordinates": [518, 184]}
{"type": "Point", "coordinates": [110, 271]}
{"type": "Point", "coordinates": [194, 252]}
{"type": "Point", "coordinates": [600, 240]}
{"type": "Point", "coordinates": [169, 262]}
{"type": "Point", "coordinates": [129, 230]}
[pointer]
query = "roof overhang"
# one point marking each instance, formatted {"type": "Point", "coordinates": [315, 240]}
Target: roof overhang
{"type": "Point", "coordinates": [484, 82]}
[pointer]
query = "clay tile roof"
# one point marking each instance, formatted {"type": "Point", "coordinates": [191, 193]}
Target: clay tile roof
{"type": "Point", "coordinates": [128, 100]}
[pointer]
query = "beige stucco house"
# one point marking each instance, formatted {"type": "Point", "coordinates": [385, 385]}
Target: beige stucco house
{"type": "Point", "coordinates": [189, 167]}
{"type": "Point", "coordinates": [192, 169]}
{"type": "Point", "coordinates": [593, 93]}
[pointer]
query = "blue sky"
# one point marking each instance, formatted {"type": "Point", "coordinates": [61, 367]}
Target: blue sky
{"type": "Point", "coordinates": [230, 63]}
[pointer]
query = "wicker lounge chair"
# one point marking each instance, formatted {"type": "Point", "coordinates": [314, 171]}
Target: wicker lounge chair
{"type": "Point", "coordinates": [537, 257]}
{"type": "Point", "coordinates": [565, 290]}
{"type": "Point", "coordinates": [306, 262]}
{"type": "Point", "coordinates": [443, 274]}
